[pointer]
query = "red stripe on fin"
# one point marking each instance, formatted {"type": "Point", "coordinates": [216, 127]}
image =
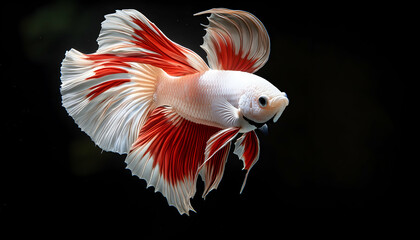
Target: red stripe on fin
{"type": "Point", "coordinates": [101, 72]}
{"type": "Point", "coordinates": [169, 153]}
{"type": "Point", "coordinates": [235, 40]}
{"type": "Point", "coordinates": [102, 87]}
{"type": "Point", "coordinates": [247, 147]}
{"type": "Point", "coordinates": [128, 33]}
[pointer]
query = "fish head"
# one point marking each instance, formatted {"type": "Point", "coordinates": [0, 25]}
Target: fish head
{"type": "Point", "coordinates": [262, 102]}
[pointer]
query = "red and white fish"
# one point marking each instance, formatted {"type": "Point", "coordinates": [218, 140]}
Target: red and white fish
{"type": "Point", "coordinates": [143, 95]}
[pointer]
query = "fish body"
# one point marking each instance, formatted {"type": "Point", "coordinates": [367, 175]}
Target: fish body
{"type": "Point", "coordinates": [174, 116]}
{"type": "Point", "coordinates": [212, 97]}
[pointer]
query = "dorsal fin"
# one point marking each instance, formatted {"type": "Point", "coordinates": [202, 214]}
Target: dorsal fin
{"type": "Point", "coordinates": [235, 40]}
{"type": "Point", "coordinates": [128, 33]}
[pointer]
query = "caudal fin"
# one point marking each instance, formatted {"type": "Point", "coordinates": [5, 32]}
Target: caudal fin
{"type": "Point", "coordinates": [108, 97]}
{"type": "Point", "coordinates": [110, 93]}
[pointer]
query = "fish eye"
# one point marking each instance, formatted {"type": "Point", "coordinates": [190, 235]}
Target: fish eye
{"type": "Point", "coordinates": [262, 101]}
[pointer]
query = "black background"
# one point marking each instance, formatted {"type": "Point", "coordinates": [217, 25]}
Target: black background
{"type": "Point", "coordinates": [330, 162]}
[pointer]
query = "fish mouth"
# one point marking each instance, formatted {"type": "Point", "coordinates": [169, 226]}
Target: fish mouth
{"type": "Point", "coordinates": [282, 103]}
{"type": "Point", "coordinates": [278, 114]}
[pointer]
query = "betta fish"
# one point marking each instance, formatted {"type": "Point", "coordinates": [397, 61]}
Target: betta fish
{"type": "Point", "coordinates": [175, 117]}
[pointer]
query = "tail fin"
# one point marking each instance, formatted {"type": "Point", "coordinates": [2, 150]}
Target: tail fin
{"type": "Point", "coordinates": [110, 93]}
{"type": "Point", "coordinates": [108, 98]}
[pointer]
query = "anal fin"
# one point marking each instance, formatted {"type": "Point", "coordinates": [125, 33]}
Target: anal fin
{"type": "Point", "coordinates": [170, 152]}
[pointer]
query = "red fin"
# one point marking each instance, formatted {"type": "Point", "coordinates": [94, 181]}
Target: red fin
{"type": "Point", "coordinates": [235, 40]}
{"type": "Point", "coordinates": [168, 153]}
{"type": "Point", "coordinates": [128, 33]}
{"type": "Point", "coordinates": [247, 147]}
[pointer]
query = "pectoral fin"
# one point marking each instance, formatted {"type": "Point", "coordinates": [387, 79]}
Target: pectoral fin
{"type": "Point", "coordinates": [226, 112]}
